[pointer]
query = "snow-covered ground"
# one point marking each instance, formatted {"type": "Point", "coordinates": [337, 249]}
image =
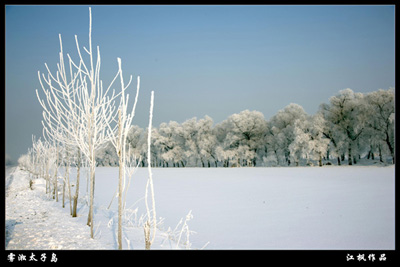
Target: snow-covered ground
{"type": "Point", "coordinates": [346, 207]}
{"type": "Point", "coordinates": [34, 222]}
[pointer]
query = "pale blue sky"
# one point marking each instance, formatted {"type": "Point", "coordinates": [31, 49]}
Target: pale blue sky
{"type": "Point", "coordinates": [203, 60]}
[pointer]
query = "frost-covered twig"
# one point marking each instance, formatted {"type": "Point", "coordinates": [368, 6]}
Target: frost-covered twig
{"type": "Point", "coordinates": [181, 231]}
{"type": "Point", "coordinates": [205, 245]}
{"type": "Point", "coordinates": [185, 228]}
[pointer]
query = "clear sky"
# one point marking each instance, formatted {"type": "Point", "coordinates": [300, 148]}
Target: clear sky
{"type": "Point", "coordinates": [203, 60]}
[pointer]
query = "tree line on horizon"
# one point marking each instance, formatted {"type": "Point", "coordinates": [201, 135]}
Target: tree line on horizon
{"type": "Point", "coordinates": [349, 127]}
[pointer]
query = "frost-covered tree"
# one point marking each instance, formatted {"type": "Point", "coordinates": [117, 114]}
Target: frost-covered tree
{"type": "Point", "coordinates": [37, 150]}
{"type": "Point", "coordinates": [337, 146]}
{"type": "Point", "coordinates": [318, 143]}
{"type": "Point", "coordinates": [25, 161]}
{"type": "Point", "coordinates": [77, 161]}
{"type": "Point", "coordinates": [57, 137]}
{"type": "Point", "coordinates": [381, 118]}
{"type": "Point", "coordinates": [309, 142]}
{"type": "Point", "coordinates": [188, 132]}
{"type": "Point", "coordinates": [170, 143]}
{"type": "Point", "coordinates": [347, 114]}
{"type": "Point", "coordinates": [208, 148]}
{"type": "Point", "coordinates": [118, 136]}
{"type": "Point", "coordinates": [107, 156]}
{"type": "Point", "coordinates": [194, 134]}
{"type": "Point", "coordinates": [282, 132]}
{"type": "Point", "coordinates": [300, 147]}
{"type": "Point", "coordinates": [156, 149]}
{"type": "Point", "coordinates": [245, 135]}
{"type": "Point", "coordinates": [135, 141]}
{"type": "Point", "coordinates": [207, 141]}
{"type": "Point", "coordinates": [48, 158]}
{"type": "Point", "coordinates": [222, 151]}
{"type": "Point", "coordinates": [151, 214]}
{"type": "Point", "coordinates": [51, 167]}
{"type": "Point", "coordinates": [271, 146]}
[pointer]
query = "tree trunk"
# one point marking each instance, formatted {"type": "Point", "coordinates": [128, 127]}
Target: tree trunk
{"type": "Point", "coordinates": [372, 153]}
{"type": "Point", "coordinates": [391, 149]}
{"type": "Point", "coordinates": [121, 170]}
{"type": "Point", "coordinates": [55, 192]}
{"type": "Point", "coordinates": [68, 182]}
{"type": "Point", "coordinates": [147, 235]}
{"type": "Point", "coordinates": [63, 193]}
{"type": "Point", "coordinates": [69, 191]}
{"type": "Point", "coordinates": [77, 185]}
{"type": "Point", "coordinates": [350, 156]}
{"type": "Point", "coordinates": [92, 178]}
{"type": "Point", "coordinates": [48, 183]}
{"type": "Point", "coordinates": [277, 158]}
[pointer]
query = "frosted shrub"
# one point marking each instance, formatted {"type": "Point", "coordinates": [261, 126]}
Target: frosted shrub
{"type": "Point", "coordinates": [181, 233]}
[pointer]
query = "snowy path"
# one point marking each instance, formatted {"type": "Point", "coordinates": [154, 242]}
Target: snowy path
{"type": "Point", "coordinates": [33, 222]}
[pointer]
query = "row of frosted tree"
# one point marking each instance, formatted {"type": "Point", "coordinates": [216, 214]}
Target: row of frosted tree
{"type": "Point", "coordinates": [351, 126]}
{"type": "Point", "coordinates": [80, 116]}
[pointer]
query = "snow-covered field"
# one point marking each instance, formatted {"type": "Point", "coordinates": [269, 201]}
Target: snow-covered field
{"type": "Point", "coordinates": [347, 207]}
